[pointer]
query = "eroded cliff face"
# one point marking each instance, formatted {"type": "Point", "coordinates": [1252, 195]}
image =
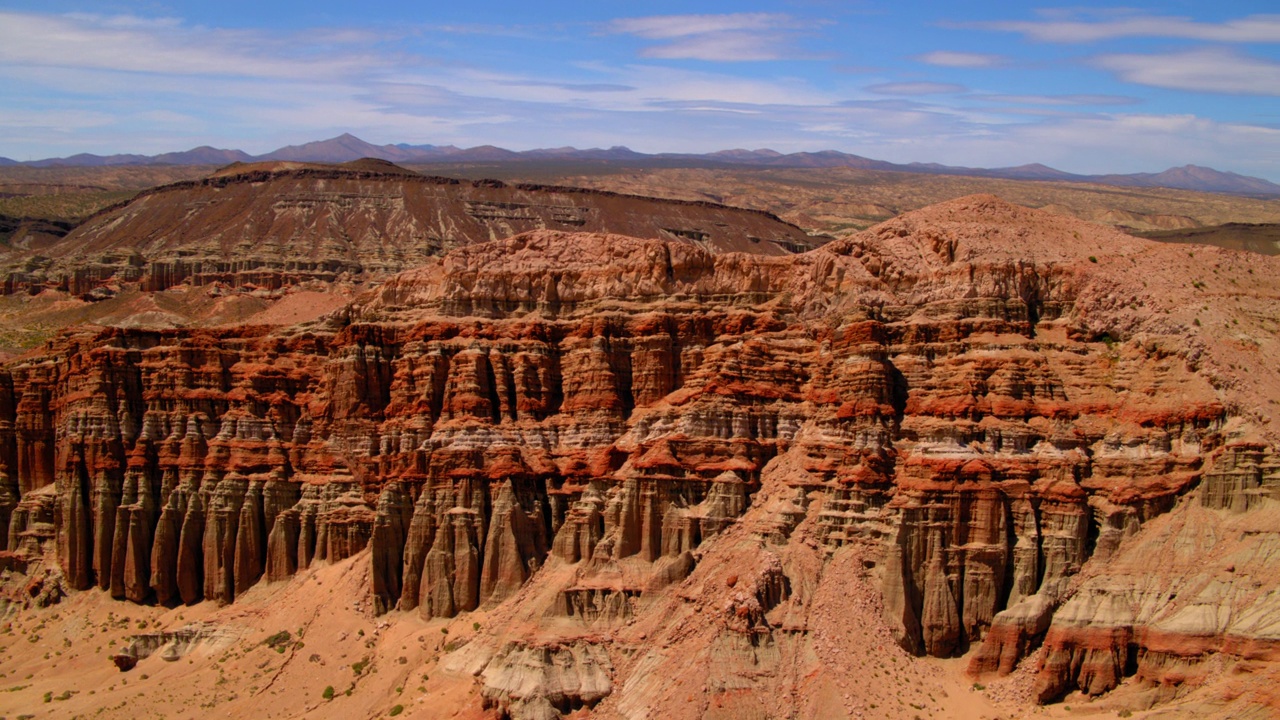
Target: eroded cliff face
{"type": "Point", "coordinates": [633, 450]}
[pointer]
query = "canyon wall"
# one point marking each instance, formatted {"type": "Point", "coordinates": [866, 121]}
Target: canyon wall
{"type": "Point", "coordinates": [984, 406]}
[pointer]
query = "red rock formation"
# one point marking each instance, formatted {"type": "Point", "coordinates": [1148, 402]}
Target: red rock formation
{"type": "Point", "coordinates": [962, 395]}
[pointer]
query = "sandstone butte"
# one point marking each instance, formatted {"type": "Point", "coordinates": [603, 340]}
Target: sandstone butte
{"type": "Point", "coordinates": [678, 484]}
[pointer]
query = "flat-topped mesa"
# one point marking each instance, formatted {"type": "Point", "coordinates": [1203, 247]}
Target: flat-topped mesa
{"type": "Point", "coordinates": [985, 406]}
{"type": "Point", "coordinates": [267, 226]}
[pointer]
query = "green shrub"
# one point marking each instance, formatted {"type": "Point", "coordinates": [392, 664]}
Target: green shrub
{"type": "Point", "coordinates": [279, 640]}
{"type": "Point", "coordinates": [328, 692]}
{"type": "Point", "coordinates": [396, 710]}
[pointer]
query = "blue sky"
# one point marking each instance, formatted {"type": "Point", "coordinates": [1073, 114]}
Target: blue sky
{"type": "Point", "coordinates": [1087, 87]}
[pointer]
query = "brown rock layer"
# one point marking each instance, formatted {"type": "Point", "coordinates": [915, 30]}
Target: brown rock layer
{"type": "Point", "coordinates": [271, 225]}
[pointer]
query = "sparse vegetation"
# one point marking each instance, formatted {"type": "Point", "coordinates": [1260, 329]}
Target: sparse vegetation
{"type": "Point", "coordinates": [396, 710]}
{"type": "Point", "coordinates": [279, 640]}
{"type": "Point", "coordinates": [70, 206]}
{"type": "Point", "coordinates": [328, 692]}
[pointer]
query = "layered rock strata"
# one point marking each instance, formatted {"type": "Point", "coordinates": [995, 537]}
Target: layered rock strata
{"type": "Point", "coordinates": [566, 426]}
{"type": "Point", "coordinates": [268, 226]}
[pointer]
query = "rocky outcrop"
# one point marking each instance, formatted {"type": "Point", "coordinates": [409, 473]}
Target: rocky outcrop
{"type": "Point", "coordinates": [172, 645]}
{"type": "Point", "coordinates": [575, 425]}
{"type": "Point", "coordinates": [1211, 596]}
{"type": "Point", "coordinates": [533, 683]}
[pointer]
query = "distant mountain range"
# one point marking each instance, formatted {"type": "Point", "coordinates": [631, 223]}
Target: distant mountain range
{"type": "Point", "coordinates": [347, 147]}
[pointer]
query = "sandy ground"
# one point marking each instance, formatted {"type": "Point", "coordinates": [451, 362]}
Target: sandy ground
{"type": "Point", "coordinates": [56, 661]}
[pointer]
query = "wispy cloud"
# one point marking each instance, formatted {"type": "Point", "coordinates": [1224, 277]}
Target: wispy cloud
{"type": "Point", "coordinates": [572, 87]}
{"type": "Point", "coordinates": [1209, 70]}
{"type": "Point", "coordinates": [129, 44]}
{"type": "Point", "coordinates": [733, 37]}
{"type": "Point", "coordinates": [916, 88]}
{"type": "Point", "coordinates": [662, 27]}
{"type": "Point", "coordinates": [60, 120]}
{"type": "Point", "coordinates": [947, 58]}
{"type": "Point", "coordinates": [721, 47]}
{"type": "Point", "coordinates": [1250, 29]}
{"type": "Point", "coordinates": [1056, 100]}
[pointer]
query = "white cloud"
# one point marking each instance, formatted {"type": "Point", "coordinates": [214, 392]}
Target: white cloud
{"type": "Point", "coordinates": [718, 47]}
{"type": "Point", "coordinates": [127, 44]}
{"type": "Point", "coordinates": [916, 88]}
{"type": "Point", "coordinates": [634, 88]}
{"type": "Point", "coordinates": [1057, 100]}
{"type": "Point", "coordinates": [665, 27]}
{"type": "Point", "coordinates": [734, 37]}
{"type": "Point", "coordinates": [947, 58]}
{"type": "Point", "coordinates": [1215, 71]}
{"type": "Point", "coordinates": [1250, 29]}
{"type": "Point", "coordinates": [59, 120]}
